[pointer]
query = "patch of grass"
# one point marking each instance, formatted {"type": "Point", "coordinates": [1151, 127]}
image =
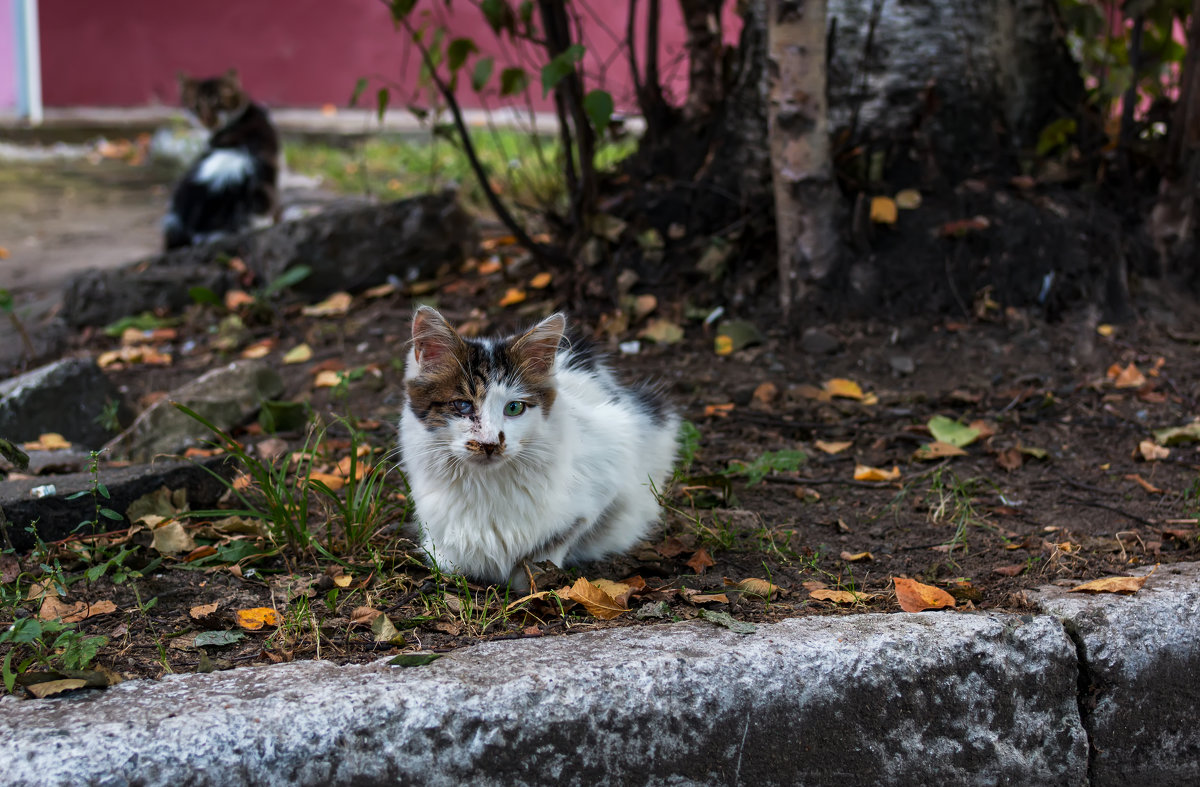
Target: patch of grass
{"type": "Point", "coordinates": [524, 167]}
{"type": "Point", "coordinates": [768, 463]}
{"type": "Point", "coordinates": [952, 500]}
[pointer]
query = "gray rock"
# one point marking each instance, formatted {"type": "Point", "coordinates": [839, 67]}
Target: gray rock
{"type": "Point", "coordinates": [350, 247]}
{"type": "Point", "coordinates": [65, 397]}
{"type": "Point", "coordinates": [878, 699]}
{"type": "Point", "coordinates": [1140, 674]}
{"type": "Point", "coordinates": [902, 364]}
{"type": "Point", "coordinates": [227, 396]}
{"type": "Point", "coordinates": [57, 516]}
{"type": "Point", "coordinates": [818, 342]}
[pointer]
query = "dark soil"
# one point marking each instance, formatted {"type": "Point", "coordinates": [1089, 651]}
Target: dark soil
{"type": "Point", "coordinates": [1050, 497]}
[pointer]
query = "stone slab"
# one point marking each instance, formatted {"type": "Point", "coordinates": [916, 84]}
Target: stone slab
{"type": "Point", "coordinates": [1141, 675]}
{"type": "Point", "coordinates": [874, 699]}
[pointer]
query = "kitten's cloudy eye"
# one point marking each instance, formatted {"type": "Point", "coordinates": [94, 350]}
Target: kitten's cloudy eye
{"type": "Point", "coordinates": [514, 409]}
{"type": "Point", "coordinates": [462, 407]}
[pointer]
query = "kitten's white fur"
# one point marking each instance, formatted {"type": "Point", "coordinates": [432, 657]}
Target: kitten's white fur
{"type": "Point", "coordinates": [224, 167]}
{"type": "Point", "coordinates": [593, 457]}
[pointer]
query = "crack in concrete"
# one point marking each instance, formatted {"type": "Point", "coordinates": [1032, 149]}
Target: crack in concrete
{"type": "Point", "coordinates": [1084, 694]}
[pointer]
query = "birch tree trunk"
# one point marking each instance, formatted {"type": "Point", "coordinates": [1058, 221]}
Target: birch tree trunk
{"type": "Point", "coordinates": [806, 197]}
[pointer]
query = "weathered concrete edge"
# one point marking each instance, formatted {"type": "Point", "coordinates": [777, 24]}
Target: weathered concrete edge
{"type": "Point", "coordinates": [890, 699]}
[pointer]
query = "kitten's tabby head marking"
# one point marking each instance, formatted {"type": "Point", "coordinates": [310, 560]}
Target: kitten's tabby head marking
{"type": "Point", "coordinates": [215, 100]}
{"type": "Point", "coordinates": [486, 401]}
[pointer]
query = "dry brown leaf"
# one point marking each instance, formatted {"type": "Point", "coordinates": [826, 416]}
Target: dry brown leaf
{"type": "Point", "coordinates": [843, 388]}
{"type": "Point", "coordinates": [203, 610]}
{"type": "Point", "coordinates": [1129, 377]}
{"type": "Point", "coordinates": [513, 296]}
{"type": "Point", "coordinates": [172, 539]}
{"type": "Point", "coordinates": [335, 305]}
{"type": "Point", "coordinates": [490, 266]}
{"type": "Point", "coordinates": [840, 596]}
{"type": "Point", "coordinates": [10, 568]}
{"type": "Point", "coordinates": [594, 600]}
{"type": "Point", "coordinates": [1111, 585]}
{"type": "Point", "coordinates": [867, 473]}
{"type": "Point", "coordinates": [914, 596]}
{"type": "Point", "coordinates": [937, 450]}
{"type": "Point", "coordinates": [301, 353]}
{"type": "Point", "coordinates": [908, 199]}
{"type": "Point", "coordinates": [700, 561]}
{"type": "Point", "coordinates": [49, 688]}
{"type": "Point", "coordinates": [986, 429]}
{"type": "Point", "coordinates": [1009, 571]}
{"type": "Point", "coordinates": [1010, 459]}
{"type": "Point", "coordinates": [343, 580]}
{"type": "Point", "coordinates": [671, 547]}
{"type": "Point", "coordinates": [540, 281]}
{"type": "Point", "coordinates": [755, 587]}
{"type": "Point", "coordinates": [765, 393]}
{"type": "Point", "coordinates": [260, 349]}
{"type": "Point", "coordinates": [696, 597]}
{"type": "Point", "coordinates": [363, 616]}
{"type": "Point", "coordinates": [334, 482]}
{"type": "Point", "coordinates": [835, 447]}
{"type": "Point", "coordinates": [257, 617]}
{"type": "Point", "coordinates": [234, 299]}
{"type": "Point", "coordinates": [52, 608]}
{"type": "Point", "coordinates": [857, 557]}
{"type": "Point", "coordinates": [718, 410]}
{"type": "Point", "coordinates": [1144, 484]}
{"type": "Point", "coordinates": [1151, 451]}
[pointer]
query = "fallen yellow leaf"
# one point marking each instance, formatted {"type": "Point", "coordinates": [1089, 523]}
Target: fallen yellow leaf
{"type": "Point", "coordinates": [914, 596]}
{"type": "Point", "coordinates": [718, 410]}
{"type": "Point", "coordinates": [4, 253]}
{"type": "Point", "coordinates": [867, 473]}
{"type": "Point", "coordinates": [50, 441]}
{"type": "Point", "coordinates": [755, 587]}
{"type": "Point", "coordinates": [857, 557]}
{"type": "Point", "coordinates": [1105, 329]}
{"type": "Point", "coordinates": [1111, 585]}
{"type": "Point", "coordinates": [1129, 377]}
{"type": "Point", "coordinates": [335, 305]}
{"type": "Point", "coordinates": [343, 580]}
{"type": "Point", "coordinates": [259, 349]}
{"type": "Point", "coordinates": [908, 199]}
{"type": "Point", "coordinates": [840, 596]}
{"type": "Point", "coordinates": [490, 266]}
{"type": "Point", "coordinates": [841, 387]}
{"type": "Point", "coordinates": [723, 345]}
{"type": "Point", "coordinates": [541, 281]}
{"type": "Point", "coordinates": [883, 210]}
{"type": "Point", "coordinates": [257, 617]}
{"type": "Point", "coordinates": [298, 354]}
{"type": "Point", "coordinates": [327, 379]}
{"type": "Point", "coordinates": [618, 591]}
{"type": "Point", "coordinates": [381, 290]}
{"type": "Point", "coordinates": [833, 447]}
{"type": "Point", "coordinates": [594, 600]}
{"type": "Point", "coordinates": [334, 482]}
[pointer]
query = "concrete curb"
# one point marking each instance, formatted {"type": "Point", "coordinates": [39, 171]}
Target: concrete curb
{"type": "Point", "coordinates": [935, 698]}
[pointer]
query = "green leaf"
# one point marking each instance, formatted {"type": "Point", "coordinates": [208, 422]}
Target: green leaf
{"type": "Point", "coordinates": [289, 278]}
{"type": "Point", "coordinates": [359, 87]}
{"type": "Point", "coordinates": [402, 8]}
{"type": "Point", "coordinates": [770, 462]}
{"type": "Point", "coordinates": [482, 73]}
{"type": "Point", "coordinates": [525, 12]}
{"type": "Point", "coordinates": [726, 620]}
{"type": "Point", "coordinates": [414, 659]}
{"type": "Point", "coordinates": [560, 67]}
{"type": "Point", "coordinates": [598, 104]}
{"type": "Point", "coordinates": [204, 296]}
{"type": "Point", "coordinates": [381, 102]}
{"type": "Point", "coordinates": [6, 300]}
{"type": "Point", "coordinates": [108, 513]}
{"type": "Point", "coordinates": [1055, 134]}
{"type": "Point", "coordinates": [458, 52]}
{"type": "Point", "coordinates": [217, 639]}
{"type": "Point", "coordinates": [513, 80]}
{"type": "Point", "coordinates": [278, 416]}
{"type": "Point", "coordinates": [499, 15]}
{"type": "Point", "coordinates": [952, 432]}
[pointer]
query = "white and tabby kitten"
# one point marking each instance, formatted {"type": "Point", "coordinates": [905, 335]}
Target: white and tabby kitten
{"type": "Point", "coordinates": [525, 449]}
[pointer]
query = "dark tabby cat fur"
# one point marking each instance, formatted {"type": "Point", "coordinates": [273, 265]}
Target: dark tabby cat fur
{"type": "Point", "coordinates": [235, 180]}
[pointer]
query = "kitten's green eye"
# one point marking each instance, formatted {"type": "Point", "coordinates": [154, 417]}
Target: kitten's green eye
{"type": "Point", "coordinates": [462, 407]}
{"type": "Point", "coordinates": [513, 409]}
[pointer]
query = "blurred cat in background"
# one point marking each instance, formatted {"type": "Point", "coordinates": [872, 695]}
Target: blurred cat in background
{"type": "Point", "coordinates": [233, 185]}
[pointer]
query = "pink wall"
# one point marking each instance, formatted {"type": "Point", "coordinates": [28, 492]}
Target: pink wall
{"type": "Point", "coordinates": [8, 57]}
{"type": "Point", "coordinates": [289, 52]}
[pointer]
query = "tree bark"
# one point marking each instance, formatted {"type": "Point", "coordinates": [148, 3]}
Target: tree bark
{"type": "Point", "coordinates": [797, 126]}
{"type": "Point", "coordinates": [705, 64]}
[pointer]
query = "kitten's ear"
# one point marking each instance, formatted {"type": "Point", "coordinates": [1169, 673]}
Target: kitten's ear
{"type": "Point", "coordinates": [187, 85]}
{"type": "Point", "coordinates": [537, 348]}
{"type": "Point", "coordinates": [434, 340]}
{"type": "Point", "coordinates": [233, 78]}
